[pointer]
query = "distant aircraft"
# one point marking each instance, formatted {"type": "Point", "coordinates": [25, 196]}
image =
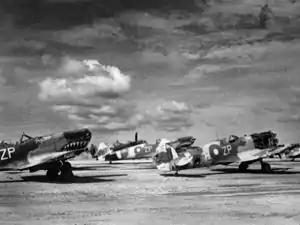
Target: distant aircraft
{"type": "Point", "coordinates": [244, 150]}
{"type": "Point", "coordinates": [49, 152]}
{"type": "Point", "coordinates": [118, 151]}
{"type": "Point", "coordinates": [139, 149]}
{"type": "Point", "coordinates": [291, 151]}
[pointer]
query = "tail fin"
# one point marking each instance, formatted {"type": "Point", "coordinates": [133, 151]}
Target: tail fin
{"type": "Point", "coordinates": [164, 156]}
{"type": "Point", "coordinates": [103, 149]}
{"type": "Point", "coordinates": [136, 137]}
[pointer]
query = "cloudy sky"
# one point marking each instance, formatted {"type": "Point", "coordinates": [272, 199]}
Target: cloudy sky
{"type": "Point", "coordinates": [205, 70]}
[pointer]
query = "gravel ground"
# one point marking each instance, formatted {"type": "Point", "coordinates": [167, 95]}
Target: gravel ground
{"type": "Point", "coordinates": [135, 193]}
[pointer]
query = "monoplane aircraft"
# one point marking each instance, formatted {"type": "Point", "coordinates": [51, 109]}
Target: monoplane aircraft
{"type": "Point", "coordinates": [119, 151]}
{"type": "Point", "coordinates": [49, 152]}
{"type": "Point", "coordinates": [290, 151]}
{"type": "Point", "coordinates": [140, 149]}
{"type": "Point", "coordinates": [244, 150]}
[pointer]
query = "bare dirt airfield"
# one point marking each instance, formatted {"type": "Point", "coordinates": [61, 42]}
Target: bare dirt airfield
{"type": "Point", "coordinates": [134, 193]}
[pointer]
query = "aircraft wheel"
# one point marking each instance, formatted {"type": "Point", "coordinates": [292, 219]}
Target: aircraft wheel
{"type": "Point", "coordinates": [197, 162]}
{"type": "Point", "coordinates": [243, 167]}
{"type": "Point", "coordinates": [52, 174]}
{"type": "Point", "coordinates": [266, 167]}
{"type": "Point", "coordinates": [66, 171]}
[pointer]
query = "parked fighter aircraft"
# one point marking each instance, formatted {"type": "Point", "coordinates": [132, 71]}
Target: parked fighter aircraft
{"type": "Point", "coordinates": [141, 149]}
{"type": "Point", "coordinates": [118, 151]}
{"type": "Point", "coordinates": [49, 152]}
{"type": "Point", "coordinates": [244, 150]}
{"type": "Point", "coordinates": [292, 151]}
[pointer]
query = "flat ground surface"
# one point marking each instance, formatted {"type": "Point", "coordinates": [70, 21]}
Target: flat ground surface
{"type": "Point", "coordinates": [135, 193]}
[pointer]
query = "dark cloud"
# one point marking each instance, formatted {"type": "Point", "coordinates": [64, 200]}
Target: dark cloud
{"type": "Point", "coordinates": [61, 14]}
{"type": "Point", "coordinates": [152, 39]}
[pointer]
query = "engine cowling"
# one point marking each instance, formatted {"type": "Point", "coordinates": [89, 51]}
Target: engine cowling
{"type": "Point", "coordinates": [267, 139]}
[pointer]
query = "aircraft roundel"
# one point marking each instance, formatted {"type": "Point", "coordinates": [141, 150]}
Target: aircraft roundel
{"type": "Point", "coordinates": [215, 151]}
{"type": "Point", "coordinates": [137, 149]}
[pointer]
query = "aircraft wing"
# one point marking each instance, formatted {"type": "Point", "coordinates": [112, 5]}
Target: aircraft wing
{"type": "Point", "coordinates": [253, 155]}
{"type": "Point", "coordinates": [295, 153]}
{"type": "Point", "coordinates": [39, 160]}
{"type": "Point", "coordinates": [183, 160]}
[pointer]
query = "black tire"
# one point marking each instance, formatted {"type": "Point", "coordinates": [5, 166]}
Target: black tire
{"type": "Point", "coordinates": [52, 174]}
{"type": "Point", "coordinates": [66, 172]}
{"type": "Point", "coordinates": [197, 162]}
{"type": "Point", "coordinates": [243, 167]}
{"type": "Point", "coordinates": [66, 166]}
{"type": "Point", "coordinates": [266, 168]}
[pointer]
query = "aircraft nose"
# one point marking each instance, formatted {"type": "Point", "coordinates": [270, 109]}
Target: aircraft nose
{"type": "Point", "coordinates": [111, 157]}
{"type": "Point", "coordinates": [79, 134]}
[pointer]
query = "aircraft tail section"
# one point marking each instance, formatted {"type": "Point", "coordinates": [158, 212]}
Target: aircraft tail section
{"type": "Point", "coordinates": [164, 156]}
{"type": "Point", "coordinates": [101, 151]}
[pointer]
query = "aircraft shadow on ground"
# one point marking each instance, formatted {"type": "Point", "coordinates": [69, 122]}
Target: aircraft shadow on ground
{"type": "Point", "coordinates": [128, 163]}
{"type": "Point", "coordinates": [220, 171]}
{"type": "Point", "coordinates": [74, 180]}
{"type": "Point", "coordinates": [138, 168]}
{"type": "Point", "coordinates": [184, 175]}
{"type": "Point", "coordinates": [257, 171]}
{"type": "Point", "coordinates": [92, 167]}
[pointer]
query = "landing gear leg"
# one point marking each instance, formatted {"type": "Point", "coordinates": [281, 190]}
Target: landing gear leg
{"type": "Point", "coordinates": [109, 162]}
{"type": "Point", "coordinates": [66, 171]}
{"type": "Point", "coordinates": [265, 167]}
{"type": "Point", "coordinates": [176, 171]}
{"type": "Point", "coordinates": [53, 171]}
{"type": "Point", "coordinates": [243, 167]}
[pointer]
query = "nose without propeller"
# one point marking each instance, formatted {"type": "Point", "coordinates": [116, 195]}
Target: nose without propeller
{"type": "Point", "coordinates": [80, 134]}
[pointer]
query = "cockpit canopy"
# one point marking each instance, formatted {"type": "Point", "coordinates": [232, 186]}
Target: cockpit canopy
{"type": "Point", "coordinates": [25, 137]}
{"type": "Point", "coordinates": [232, 138]}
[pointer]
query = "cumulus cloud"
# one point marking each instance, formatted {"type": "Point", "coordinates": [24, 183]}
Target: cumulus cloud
{"type": "Point", "coordinates": [111, 116]}
{"type": "Point", "coordinates": [170, 116]}
{"type": "Point", "coordinates": [140, 19]}
{"type": "Point", "coordinates": [89, 35]}
{"type": "Point", "coordinates": [121, 115]}
{"type": "Point", "coordinates": [81, 79]}
{"type": "Point", "coordinates": [249, 52]}
{"type": "Point", "coordinates": [87, 93]}
{"type": "Point", "coordinates": [173, 107]}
